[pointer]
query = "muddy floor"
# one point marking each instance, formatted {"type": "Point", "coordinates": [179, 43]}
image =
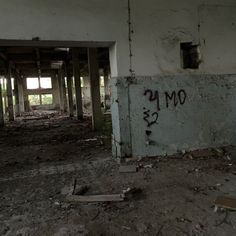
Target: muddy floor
{"type": "Point", "coordinates": [41, 158]}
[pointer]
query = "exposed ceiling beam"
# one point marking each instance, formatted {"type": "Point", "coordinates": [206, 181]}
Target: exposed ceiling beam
{"type": "Point", "coordinates": [51, 43]}
{"type": "Point", "coordinates": [43, 57]}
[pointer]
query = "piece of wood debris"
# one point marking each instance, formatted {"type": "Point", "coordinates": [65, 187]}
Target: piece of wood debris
{"type": "Point", "coordinates": [96, 198]}
{"type": "Point", "coordinates": [133, 193]}
{"type": "Point", "coordinates": [150, 166]}
{"type": "Point", "coordinates": [74, 186]}
{"type": "Point", "coordinates": [226, 203]}
{"type": "Point", "coordinates": [128, 169]}
{"type": "Point", "coordinates": [79, 189]}
{"type": "Point", "coordinates": [125, 227]}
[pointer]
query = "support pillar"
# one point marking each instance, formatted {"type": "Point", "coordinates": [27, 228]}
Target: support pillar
{"type": "Point", "coordinates": [120, 110]}
{"type": "Point", "coordinates": [59, 77]}
{"type": "Point", "coordinates": [87, 95]}
{"type": "Point", "coordinates": [16, 93]}
{"type": "Point", "coordinates": [25, 94]}
{"type": "Point", "coordinates": [107, 98]}
{"type": "Point", "coordinates": [9, 94]}
{"type": "Point", "coordinates": [69, 89]}
{"type": "Point", "coordinates": [78, 92]}
{"type": "Point", "coordinates": [63, 87]}
{"type": "Point", "coordinates": [95, 89]}
{"type": "Point", "coordinates": [20, 94]}
{"type": "Point", "coordinates": [55, 90]}
{"type": "Point", "coordinates": [5, 94]}
{"type": "Point", "coordinates": [1, 108]}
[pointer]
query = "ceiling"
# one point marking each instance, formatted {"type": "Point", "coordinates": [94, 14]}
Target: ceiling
{"type": "Point", "coordinates": [28, 61]}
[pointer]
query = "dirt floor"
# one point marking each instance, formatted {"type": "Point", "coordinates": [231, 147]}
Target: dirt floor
{"type": "Point", "coordinates": [40, 158]}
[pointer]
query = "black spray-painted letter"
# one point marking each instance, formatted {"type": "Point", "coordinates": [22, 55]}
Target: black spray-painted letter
{"type": "Point", "coordinates": [153, 96]}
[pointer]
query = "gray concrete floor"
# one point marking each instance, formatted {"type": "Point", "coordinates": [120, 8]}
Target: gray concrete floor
{"type": "Point", "coordinates": [40, 158]}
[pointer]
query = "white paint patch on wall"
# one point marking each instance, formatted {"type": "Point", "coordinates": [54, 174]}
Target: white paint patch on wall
{"type": "Point", "coordinates": [160, 27]}
{"type": "Point", "coordinates": [218, 37]}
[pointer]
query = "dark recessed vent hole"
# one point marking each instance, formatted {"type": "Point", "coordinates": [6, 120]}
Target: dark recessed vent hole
{"type": "Point", "coordinates": [190, 54]}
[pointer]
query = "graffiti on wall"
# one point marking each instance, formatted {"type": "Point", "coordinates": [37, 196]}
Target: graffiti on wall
{"type": "Point", "coordinates": [153, 96]}
{"type": "Point", "coordinates": [176, 98]}
{"type": "Point", "coordinates": [172, 99]}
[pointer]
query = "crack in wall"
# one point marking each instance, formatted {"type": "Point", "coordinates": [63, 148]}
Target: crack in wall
{"type": "Point", "coordinates": [130, 38]}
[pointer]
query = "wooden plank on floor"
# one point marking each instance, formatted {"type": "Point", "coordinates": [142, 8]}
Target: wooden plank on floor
{"type": "Point", "coordinates": [226, 202]}
{"type": "Point", "coordinates": [96, 198]}
{"type": "Point", "coordinates": [128, 169]}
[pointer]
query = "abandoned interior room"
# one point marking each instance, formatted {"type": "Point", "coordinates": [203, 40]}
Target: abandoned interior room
{"type": "Point", "coordinates": [118, 117]}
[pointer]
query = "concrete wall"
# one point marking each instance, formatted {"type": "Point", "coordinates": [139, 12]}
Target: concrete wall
{"type": "Point", "coordinates": [201, 121]}
{"type": "Point", "coordinates": [70, 20]}
{"type": "Point", "coordinates": [168, 114]}
{"type": "Point", "coordinates": [162, 25]}
{"type": "Point", "coordinates": [158, 27]}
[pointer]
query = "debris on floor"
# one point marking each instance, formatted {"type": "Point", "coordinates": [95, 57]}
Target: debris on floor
{"type": "Point", "coordinates": [96, 198]}
{"type": "Point", "coordinates": [226, 203]}
{"type": "Point", "coordinates": [128, 169]}
{"type": "Point", "coordinates": [78, 195]}
{"type": "Point", "coordinates": [79, 189]}
{"type": "Point", "coordinates": [133, 193]}
{"type": "Point", "coordinates": [169, 195]}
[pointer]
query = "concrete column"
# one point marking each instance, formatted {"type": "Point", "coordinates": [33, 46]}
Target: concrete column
{"type": "Point", "coordinates": [1, 108]}
{"type": "Point", "coordinates": [107, 98]}
{"type": "Point", "coordinates": [87, 95]}
{"type": "Point", "coordinates": [69, 89]}
{"type": "Point", "coordinates": [55, 90]}
{"type": "Point", "coordinates": [5, 94]}
{"type": "Point", "coordinates": [25, 94]}
{"type": "Point", "coordinates": [59, 77]}
{"type": "Point", "coordinates": [9, 94]}
{"type": "Point", "coordinates": [78, 92]}
{"type": "Point", "coordinates": [95, 89]}
{"type": "Point", "coordinates": [121, 130]}
{"type": "Point", "coordinates": [16, 93]}
{"type": "Point", "coordinates": [63, 87]}
{"type": "Point", "coordinates": [20, 94]}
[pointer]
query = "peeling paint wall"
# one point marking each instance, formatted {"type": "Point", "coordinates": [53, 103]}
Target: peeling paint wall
{"type": "Point", "coordinates": [201, 103]}
{"type": "Point", "coordinates": [163, 25]}
{"type": "Point", "coordinates": [157, 27]}
{"type": "Point", "coordinates": [168, 114]}
{"type": "Point", "coordinates": [70, 20]}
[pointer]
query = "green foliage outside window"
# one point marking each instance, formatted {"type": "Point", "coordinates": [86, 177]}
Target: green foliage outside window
{"type": "Point", "coordinates": [47, 99]}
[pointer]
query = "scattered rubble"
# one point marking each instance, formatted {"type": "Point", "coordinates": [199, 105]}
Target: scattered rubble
{"type": "Point", "coordinates": [161, 198]}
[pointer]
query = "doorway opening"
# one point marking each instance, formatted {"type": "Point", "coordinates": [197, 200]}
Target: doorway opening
{"type": "Point", "coordinates": [56, 96]}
